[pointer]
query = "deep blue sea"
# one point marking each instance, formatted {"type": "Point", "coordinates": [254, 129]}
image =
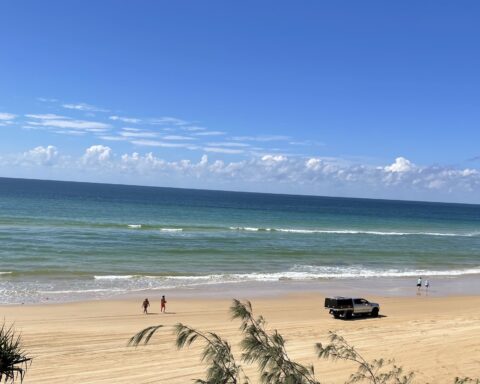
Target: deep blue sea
{"type": "Point", "coordinates": [65, 240]}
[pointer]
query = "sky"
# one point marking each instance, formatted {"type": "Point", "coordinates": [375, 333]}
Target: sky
{"type": "Point", "coordinates": [363, 99]}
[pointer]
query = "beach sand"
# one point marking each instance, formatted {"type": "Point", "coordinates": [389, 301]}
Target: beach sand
{"type": "Point", "coordinates": [85, 342]}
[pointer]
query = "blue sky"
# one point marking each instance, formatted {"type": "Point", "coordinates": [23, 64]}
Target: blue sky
{"type": "Point", "coordinates": [369, 99]}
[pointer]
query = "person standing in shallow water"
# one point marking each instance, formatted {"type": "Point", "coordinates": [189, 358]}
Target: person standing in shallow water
{"type": "Point", "coordinates": [419, 284]}
{"type": "Point", "coordinates": [145, 306]}
{"type": "Point", "coordinates": [163, 303]}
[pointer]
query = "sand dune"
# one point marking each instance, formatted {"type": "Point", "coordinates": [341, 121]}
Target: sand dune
{"type": "Point", "coordinates": [438, 338]}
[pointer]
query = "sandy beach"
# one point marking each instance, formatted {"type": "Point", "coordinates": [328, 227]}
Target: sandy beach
{"type": "Point", "coordinates": [85, 342]}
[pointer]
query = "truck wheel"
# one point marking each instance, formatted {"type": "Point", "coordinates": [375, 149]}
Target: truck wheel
{"type": "Point", "coordinates": [336, 315]}
{"type": "Point", "coordinates": [348, 314]}
{"type": "Point", "coordinates": [374, 312]}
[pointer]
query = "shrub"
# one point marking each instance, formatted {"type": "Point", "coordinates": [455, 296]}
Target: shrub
{"type": "Point", "coordinates": [13, 359]}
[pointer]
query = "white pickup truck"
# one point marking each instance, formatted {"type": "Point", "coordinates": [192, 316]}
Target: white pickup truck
{"type": "Point", "coordinates": [347, 307]}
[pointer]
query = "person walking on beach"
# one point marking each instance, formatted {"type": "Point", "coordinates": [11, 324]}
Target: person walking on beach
{"type": "Point", "coordinates": [427, 284]}
{"type": "Point", "coordinates": [419, 284]}
{"type": "Point", "coordinates": [145, 306]}
{"type": "Point", "coordinates": [162, 304]}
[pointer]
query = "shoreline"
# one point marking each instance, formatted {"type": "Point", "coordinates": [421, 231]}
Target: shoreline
{"type": "Point", "coordinates": [467, 285]}
{"type": "Point", "coordinates": [86, 341]}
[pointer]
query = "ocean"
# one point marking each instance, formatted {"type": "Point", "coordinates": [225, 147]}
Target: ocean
{"type": "Point", "coordinates": [62, 241]}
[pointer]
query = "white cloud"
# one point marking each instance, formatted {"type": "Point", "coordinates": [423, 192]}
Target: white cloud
{"type": "Point", "coordinates": [178, 137]}
{"type": "Point", "coordinates": [89, 126]}
{"type": "Point", "coordinates": [194, 128]}
{"type": "Point", "coordinates": [149, 163]}
{"type": "Point", "coordinates": [71, 133]}
{"type": "Point", "coordinates": [313, 164]}
{"type": "Point", "coordinates": [229, 144]}
{"type": "Point", "coordinates": [84, 107]}
{"type": "Point", "coordinates": [223, 150]}
{"type": "Point", "coordinates": [131, 129]}
{"type": "Point", "coordinates": [210, 133]}
{"type": "Point", "coordinates": [137, 133]}
{"type": "Point", "coordinates": [401, 164]}
{"type": "Point", "coordinates": [41, 155]}
{"type": "Point", "coordinates": [265, 138]}
{"type": "Point", "coordinates": [7, 116]}
{"type": "Point", "coordinates": [307, 143]}
{"type": "Point", "coordinates": [274, 158]}
{"type": "Point", "coordinates": [97, 154]}
{"type": "Point", "coordinates": [125, 119]}
{"type": "Point", "coordinates": [166, 120]}
{"type": "Point", "coordinates": [270, 172]}
{"type": "Point", "coordinates": [113, 138]}
{"type": "Point", "coordinates": [468, 172]}
{"type": "Point", "coordinates": [157, 143]}
{"type": "Point", "coordinates": [47, 116]}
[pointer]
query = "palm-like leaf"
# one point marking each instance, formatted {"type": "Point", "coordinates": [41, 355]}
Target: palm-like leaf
{"type": "Point", "coordinates": [222, 367]}
{"type": "Point", "coordinates": [217, 353]}
{"type": "Point", "coordinates": [268, 349]}
{"type": "Point", "coordinates": [378, 371]}
{"type": "Point", "coordinates": [13, 359]}
{"type": "Point", "coordinates": [144, 335]}
{"type": "Point", "coordinates": [466, 380]}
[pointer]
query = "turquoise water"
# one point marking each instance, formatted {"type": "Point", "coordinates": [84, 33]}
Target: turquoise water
{"type": "Point", "coordinates": [66, 240]}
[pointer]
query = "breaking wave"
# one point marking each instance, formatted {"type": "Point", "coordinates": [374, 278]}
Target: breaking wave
{"type": "Point", "coordinates": [354, 232]}
{"type": "Point", "coordinates": [301, 272]}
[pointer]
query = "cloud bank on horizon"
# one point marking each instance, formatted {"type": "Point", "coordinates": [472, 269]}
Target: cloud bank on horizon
{"type": "Point", "coordinates": [170, 151]}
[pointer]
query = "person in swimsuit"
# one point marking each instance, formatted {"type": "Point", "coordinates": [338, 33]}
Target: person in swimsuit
{"type": "Point", "coordinates": [145, 306]}
{"type": "Point", "coordinates": [419, 283]}
{"type": "Point", "coordinates": [162, 304]}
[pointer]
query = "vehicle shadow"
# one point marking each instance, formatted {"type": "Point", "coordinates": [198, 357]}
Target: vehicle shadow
{"type": "Point", "coordinates": [356, 318]}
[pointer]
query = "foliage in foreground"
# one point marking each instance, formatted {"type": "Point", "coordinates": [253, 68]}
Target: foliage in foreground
{"type": "Point", "coordinates": [466, 380]}
{"type": "Point", "coordinates": [373, 372]}
{"type": "Point", "coordinates": [267, 349]}
{"type": "Point", "coordinates": [13, 359]}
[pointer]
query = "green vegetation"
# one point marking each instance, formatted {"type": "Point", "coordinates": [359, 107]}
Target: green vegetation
{"type": "Point", "coordinates": [378, 371]}
{"type": "Point", "coordinates": [13, 359]}
{"type": "Point", "coordinates": [466, 380]}
{"type": "Point", "coordinates": [267, 350]}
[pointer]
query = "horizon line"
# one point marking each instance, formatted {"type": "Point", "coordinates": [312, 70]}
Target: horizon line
{"type": "Point", "coordinates": [246, 192]}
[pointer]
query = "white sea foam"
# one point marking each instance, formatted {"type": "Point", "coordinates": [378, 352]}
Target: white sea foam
{"type": "Point", "coordinates": [252, 229]}
{"type": "Point", "coordinates": [356, 232]}
{"type": "Point", "coordinates": [347, 273]}
{"type": "Point", "coordinates": [310, 271]}
{"type": "Point", "coordinates": [5, 273]}
{"type": "Point", "coordinates": [79, 291]}
{"type": "Point", "coordinates": [171, 229]}
{"type": "Point", "coordinates": [301, 272]}
{"type": "Point", "coordinates": [113, 277]}
{"type": "Point", "coordinates": [134, 225]}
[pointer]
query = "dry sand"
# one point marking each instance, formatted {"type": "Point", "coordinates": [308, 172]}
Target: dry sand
{"type": "Point", "coordinates": [437, 337]}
